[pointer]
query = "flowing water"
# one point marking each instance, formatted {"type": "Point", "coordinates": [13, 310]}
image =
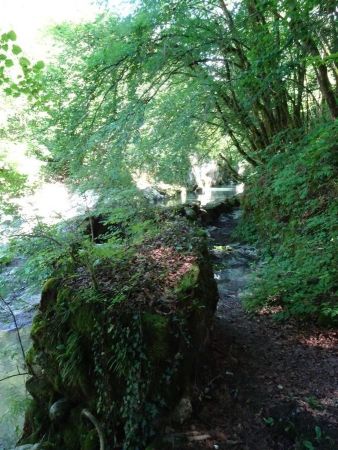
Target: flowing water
{"type": "Point", "coordinates": [13, 397]}
{"type": "Point", "coordinates": [209, 195]}
{"type": "Point", "coordinates": [232, 261]}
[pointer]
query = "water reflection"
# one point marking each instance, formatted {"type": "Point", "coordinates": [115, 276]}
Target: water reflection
{"type": "Point", "coordinates": [209, 195]}
{"type": "Point", "coordinates": [13, 396]}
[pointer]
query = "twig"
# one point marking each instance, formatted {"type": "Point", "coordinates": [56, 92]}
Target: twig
{"type": "Point", "coordinates": [15, 375]}
{"type": "Point", "coordinates": [16, 326]}
{"type": "Point", "coordinates": [40, 235]}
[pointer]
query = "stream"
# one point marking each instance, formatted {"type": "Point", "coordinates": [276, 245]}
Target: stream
{"type": "Point", "coordinates": [231, 262]}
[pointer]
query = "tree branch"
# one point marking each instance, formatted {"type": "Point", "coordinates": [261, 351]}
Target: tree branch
{"type": "Point", "coordinates": [15, 375]}
{"type": "Point", "coordinates": [16, 326]}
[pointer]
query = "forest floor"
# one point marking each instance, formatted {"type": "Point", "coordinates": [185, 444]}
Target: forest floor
{"type": "Point", "coordinates": [263, 385]}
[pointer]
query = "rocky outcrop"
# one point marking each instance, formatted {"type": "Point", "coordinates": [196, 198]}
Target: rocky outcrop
{"type": "Point", "coordinates": [206, 174]}
{"type": "Point", "coordinates": [111, 366]}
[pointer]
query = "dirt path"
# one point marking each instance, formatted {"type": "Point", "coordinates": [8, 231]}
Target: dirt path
{"type": "Point", "coordinates": [264, 385]}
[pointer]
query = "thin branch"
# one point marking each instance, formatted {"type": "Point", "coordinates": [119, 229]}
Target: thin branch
{"type": "Point", "coordinates": [40, 235]}
{"type": "Point", "coordinates": [16, 326]}
{"type": "Point", "coordinates": [237, 177]}
{"type": "Point", "coordinates": [15, 375]}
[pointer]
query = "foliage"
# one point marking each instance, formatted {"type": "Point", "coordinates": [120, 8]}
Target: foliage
{"type": "Point", "coordinates": [18, 77]}
{"type": "Point", "coordinates": [12, 184]}
{"type": "Point", "coordinates": [291, 209]}
{"type": "Point", "coordinates": [17, 74]}
{"type": "Point", "coordinates": [176, 79]}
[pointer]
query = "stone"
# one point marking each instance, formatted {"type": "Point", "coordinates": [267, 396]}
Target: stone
{"type": "Point", "coordinates": [206, 174]}
{"type": "Point", "coordinates": [59, 410]}
{"type": "Point", "coordinates": [152, 194]}
{"type": "Point", "coordinates": [39, 388]}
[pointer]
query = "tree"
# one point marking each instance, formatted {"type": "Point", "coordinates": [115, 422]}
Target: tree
{"type": "Point", "coordinates": [181, 76]}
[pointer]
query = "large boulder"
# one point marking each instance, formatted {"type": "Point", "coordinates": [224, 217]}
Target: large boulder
{"type": "Point", "coordinates": [124, 353]}
{"type": "Point", "coordinates": [206, 174]}
{"type": "Point", "coordinates": [152, 194]}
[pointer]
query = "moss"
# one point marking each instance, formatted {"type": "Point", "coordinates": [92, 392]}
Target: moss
{"type": "Point", "coordinates": [63, 295]}
{"type": "Point", "coordinates": [38, 327]}
{"type": "Point", "coordinates": [30, 356]}
{"type": "Point", "coordinates": [156, 329]}
{"type": "Point", "coordinates": [50, 285]}
{"type": "Point", "coordinates": [49, 294]}
{"type": "Point", "coordinates": [5, 260]}
{"type": "Point", "coordinates": [188, 282]}
{"type": "Point", "coordinates": [200, 232]}
{"type": "Point", "coordinates": [84, 319]}
{"type": "Point", "coordinates": [90, 441]}
{"type": "Point", "coordinates": [56, 381]}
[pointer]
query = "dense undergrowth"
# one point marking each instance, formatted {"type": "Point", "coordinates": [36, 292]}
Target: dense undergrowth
{"type": "Point", "coordinates": [290, 208]}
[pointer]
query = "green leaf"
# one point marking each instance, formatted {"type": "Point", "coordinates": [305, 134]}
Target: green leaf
{"type": "Point", "coordinates": [9, 63]}
{"type": "Point", "coordinates": [24, 62]}
{"type": "Point", "coordinates": [38, 66]}
{"type": "Point", "coordinates": [269, 421]}
{"type": "Point", "coordinates": [16, 49]}
{"type": "Point", "coordinates": [11, 36]}
{"type": "Point", "coordinates": [318, 433]}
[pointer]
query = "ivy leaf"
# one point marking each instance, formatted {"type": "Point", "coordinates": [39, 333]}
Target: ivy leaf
{"type": "Point", "coordinates": [9, 63]}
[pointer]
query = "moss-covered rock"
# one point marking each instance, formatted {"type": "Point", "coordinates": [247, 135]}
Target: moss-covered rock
{"type": "Point", "coordinates": [126, 353]}
{"type": "Point", "coordinates": [210, 212]}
